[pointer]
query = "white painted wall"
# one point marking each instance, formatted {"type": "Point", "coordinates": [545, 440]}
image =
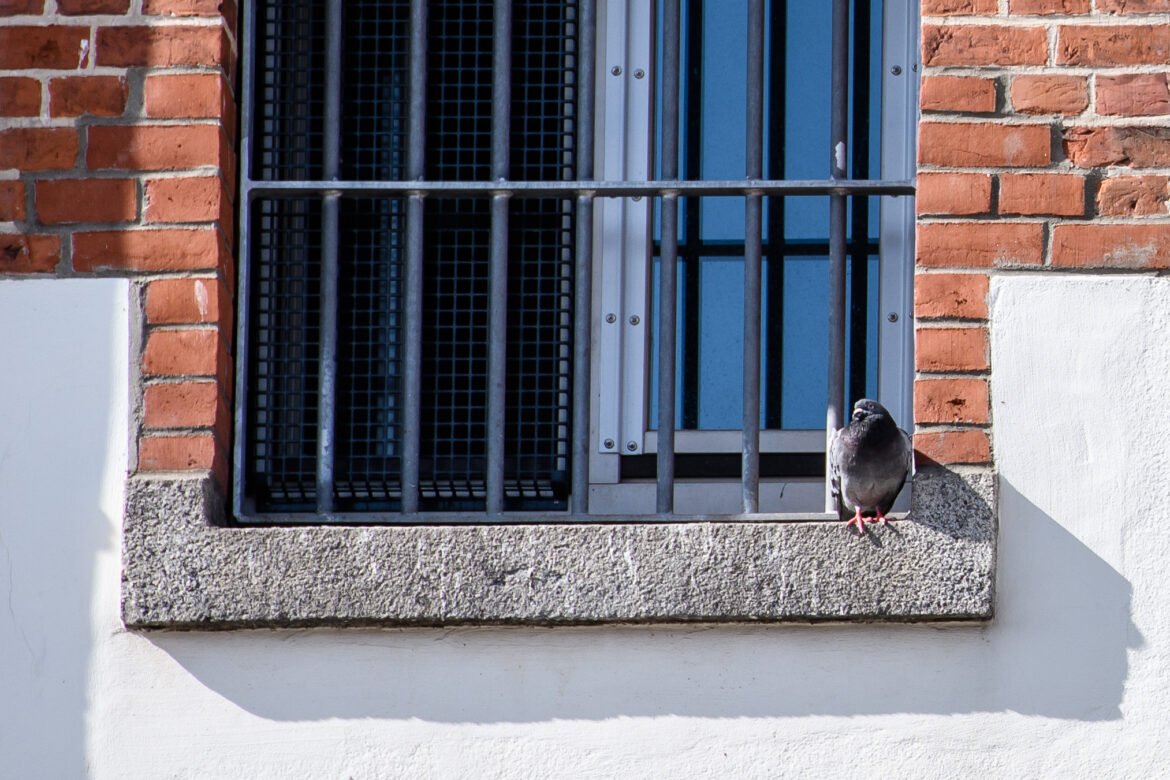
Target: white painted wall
{"type": "Point", "coordinates": [1070, 680]}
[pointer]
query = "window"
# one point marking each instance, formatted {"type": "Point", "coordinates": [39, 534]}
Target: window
{"type": "Point", "coordinates": [460, 219]}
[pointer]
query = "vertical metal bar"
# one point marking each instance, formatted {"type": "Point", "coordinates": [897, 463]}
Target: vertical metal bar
{"type": "Point", "coordinates": [667, 282]}
{"type": "Point", "coordinates": [413, 275]}
{"type": "Point", "coordinates": [859, 207]}
{"type": "Point", "coordinates": [834, 416]}
{"type": "Point", "coordinates": [777, 130]}
{"type": "Point", "coordinates": [498, 274]}
{"type": "Point", "coordinates": [583, 268]}
{"type": "Point", "coordinates": [330, 233]}
{"type": "Point", "coordinates": [691, 250]}
{"type": "Point", "coordinates": [244, 221]}
{"type": "Point", "coordinates": [753, 250]}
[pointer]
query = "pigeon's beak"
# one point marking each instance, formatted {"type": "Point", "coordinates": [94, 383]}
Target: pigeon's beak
{"type": "Point", "coordinates": [858, 414]}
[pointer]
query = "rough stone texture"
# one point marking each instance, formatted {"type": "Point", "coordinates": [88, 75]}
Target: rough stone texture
{"type": "Point", "coordinates": [184, 568]}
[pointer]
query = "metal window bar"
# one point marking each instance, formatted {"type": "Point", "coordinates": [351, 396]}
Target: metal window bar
{"type": "Point", "coordinates": [584, 190]}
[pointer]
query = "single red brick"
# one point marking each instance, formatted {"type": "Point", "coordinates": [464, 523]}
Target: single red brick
{"type": "Point", "coordinates": [188, 199]}
{"type": "Point", "coordinates": [961, 296]}
{"type": "Point", "coordinates": [1133, 94]}
{"type": "Point", "coordinates": [38, 148]}
{"type": "Point", "coordinates": [188, 8]}
{"type": "Point", "coordinates": [149, 250]}
{"type": "Point", "coordinates": [1134, 196]}
{"type": "Point", "coordinates": [983, 45]}
{"type": "Point", "coordinates": [951, 349]}
{"type": "Point", "coordinates": [957, 7]}
{"type": "Point", "coordinates": [193, 95]}
{"type": "Point", "coordinates": [154, 147]}
{"type": "Point", "coordinates": [51, 47]}
{"type": "Point", "coordinates": [1136, 147]}
{"type": "Point", "coordinates": [20, 7]}
{"type": "Point", "coordinates": [954, 193]}
{"type": "Point", "coordinates": [1133, 6]}
{"type": "Point", "coordinates": [1111, 246]}
{"type": "Point", "coordinates": [176, 453]}
{"type": "Point", "coordinates": [957, 93]}
{"type": "Point", "coordinates": [979, 244]}
{"type": "Point", "coordinates": [963, 144]}
{"type": "Point", "coordinates": [951, 447]}
{"type": "Point", "coordinates": [1043, 7]}
{"type": "Point", "coordinates": [1050, 94]}
{"type": "Point", "coordinates": [87, 200]}
{"type": "Point", "coordinates": [183, 405]}
{"type": "Point", "coordinates": [24, 254]}
{"type": "Point", "coordinates": [1112, 45]}
{"type": "Point", "coordinates": [11, 201]}
{"type": "Point", "coordinates": [1042, 193]}
{"type": "Point", "coordinates": [188, 301]}
{"type": "Point", "coordinates": [163, 46]}
{"type": "Point", "coordinates": [963, 400]}
{"type": "Point", "coordinates": [20, 96]}
{"type": "Point", "coordinates": [87, 7]}
{"type": "Point", "coordinates": [97, 95]}
{"type": "Point", "coordinates": [181, 353]}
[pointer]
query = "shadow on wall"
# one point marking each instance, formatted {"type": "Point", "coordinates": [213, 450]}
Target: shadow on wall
{"type": "Point", "coordinates": [1057, 648]}
{"type": "Point", "coordinates": [62, 359]}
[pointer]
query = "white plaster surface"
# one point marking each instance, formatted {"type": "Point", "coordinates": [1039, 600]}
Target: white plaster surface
{"type": "Point", "coordinates": [1070, 680]}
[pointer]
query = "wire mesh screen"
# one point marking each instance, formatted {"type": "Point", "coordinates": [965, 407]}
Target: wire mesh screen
{"type": "Point", "coordinates": [285, 331]}
{"type": "Point", "coordinates": [290, 89]}
{"type": "Point", "coordinates": [286, 242]}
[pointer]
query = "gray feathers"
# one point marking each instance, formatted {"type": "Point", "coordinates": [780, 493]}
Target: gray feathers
{"type": "Point", "coordinates": [869, 460]}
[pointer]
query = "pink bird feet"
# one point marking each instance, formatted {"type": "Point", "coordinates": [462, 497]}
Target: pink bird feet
{"type": "Point", "coordinates": [860, 521]}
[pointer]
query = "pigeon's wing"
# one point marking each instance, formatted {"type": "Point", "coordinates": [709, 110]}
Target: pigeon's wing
{"type": "Point", "coordinates": [836, 456]}
{"type": "Point", "coordinates": [906, 462]}
{"type": "Point", "coordinates": [910, 469]}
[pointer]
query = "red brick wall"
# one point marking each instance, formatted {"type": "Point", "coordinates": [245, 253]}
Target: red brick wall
{"type": "Point", "coordinates": [1040, 149]}
{"type": "Point", "coordinates": [117, 136]}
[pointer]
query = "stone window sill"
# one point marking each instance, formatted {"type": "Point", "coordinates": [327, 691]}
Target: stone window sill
{"type": "Point", "coordinates": [184, 568]}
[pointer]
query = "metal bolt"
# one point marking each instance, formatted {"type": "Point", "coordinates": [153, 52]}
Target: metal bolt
{"type": "Point", "coordinates": [639, 73]}
{"type": "Point", "coordinates": [634, 319]}
{"type": "Point", "coordinates": [608, 444]}
{"type": "Point", "coordinates": [892, 316]}
{"type": "Point", "coordinates": [616, 70]}
{"type": "Point", "coordinates": [896, 70]}
{"type": "Point", "coordinates": [632, 446]}
{"type": "Point", "coordinates": [611, 318]}
{"type": "Point", "coordinates": [914, 67]}
{"type": "Point", "coordinates": [637, 198]}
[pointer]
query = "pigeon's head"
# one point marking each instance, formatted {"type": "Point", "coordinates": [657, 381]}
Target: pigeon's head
{"type": "Point", "coordinates": [866, 408]}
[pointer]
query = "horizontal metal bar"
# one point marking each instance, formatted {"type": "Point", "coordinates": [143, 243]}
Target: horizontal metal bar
{"type": "Point", "coordinates": [529, 518]}
{"type": "Point", "coordinates": [572, 189]}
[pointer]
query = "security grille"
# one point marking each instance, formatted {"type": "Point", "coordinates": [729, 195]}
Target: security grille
{"type": "Point", "coordinates": [417, 225]}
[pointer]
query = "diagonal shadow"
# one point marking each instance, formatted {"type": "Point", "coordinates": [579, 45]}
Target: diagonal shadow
{"type": "Point", "coordinates": [1057, 648]}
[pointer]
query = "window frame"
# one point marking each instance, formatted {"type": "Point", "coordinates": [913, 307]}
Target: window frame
{"type": "Point", "coordinates": [590, 467]}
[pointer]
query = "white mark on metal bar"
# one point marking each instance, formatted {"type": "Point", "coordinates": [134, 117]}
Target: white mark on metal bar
{"type": "Point", "coordinates": [840, 152]}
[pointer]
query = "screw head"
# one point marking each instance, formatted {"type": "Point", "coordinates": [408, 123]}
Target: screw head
{"type": "Point", "coordinates": [611, 318]}
{"type": "Point", "coordinates": [616, 70]}
{"type": "Point", "coordinates": [896, 70]}
{"type": "Point", "coordinates": [892, 316]}
{"type": "Point", "coordinates": [639, 74]}
{"type": "Point", "coordinates": [608, 444]}
{"type": "Point", "coordinates": [635, 319]}
{"type": "Point", "coordinates": [632, 446]}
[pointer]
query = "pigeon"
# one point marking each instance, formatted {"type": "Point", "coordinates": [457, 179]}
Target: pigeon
{"type": "Point", "coordinates": [869, 460]}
